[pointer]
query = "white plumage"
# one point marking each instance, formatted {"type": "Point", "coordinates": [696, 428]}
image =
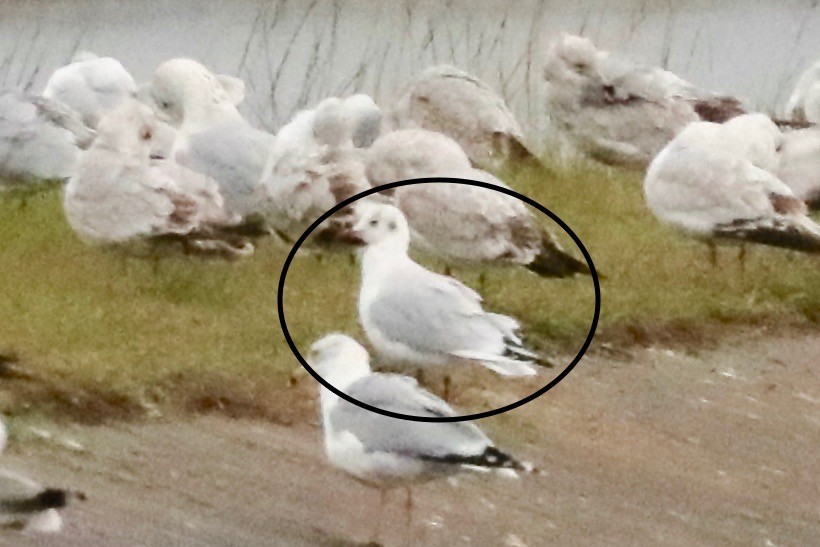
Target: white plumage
{"type": "Point", "coordinates": [460, 222]}
{"type": "Point", "coordinates": [91, 86]}
{"type": "Point", "coordinates": [619, 113]}
{"type": "Point", "coordinates": [119, 195]}
{"type": "Point", "coordinates": [448, 100]}
{"type": "Point", "coordinates": [31, 147]}
{"type": "Point", "coordinates": [414, 316]}
{"type": "Point", "coordinates": [799, 164]}
{"type": "Point", "coordinates": [699, 184]}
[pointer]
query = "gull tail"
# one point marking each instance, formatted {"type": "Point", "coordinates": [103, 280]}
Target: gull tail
{"type": "Point", "coordinates": [504, 366]}
{"type": "Point", "coordinates": [50, 498]}
{"type": "Point", "coordinates": [491, 458]}
{"type": "Point", "coordinates": [553, 262]}
{"type": "Point", "coordinates": [799, 234]}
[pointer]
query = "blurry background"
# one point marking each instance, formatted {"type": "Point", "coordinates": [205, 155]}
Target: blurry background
{"type": "Point", "coordinates": [293, 53]}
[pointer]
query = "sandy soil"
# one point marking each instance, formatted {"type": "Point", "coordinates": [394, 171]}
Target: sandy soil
{"type": "Point", "coordinates": [654, 447]}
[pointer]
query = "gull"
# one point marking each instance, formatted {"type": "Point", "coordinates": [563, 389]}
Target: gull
{"type": "Point", "coordinates": [414, 316]}
{"type": "Point", "coordinates": [119, 195]}
{"type": "Point", "coordinates": [619, 113]}
{"type": "Point", "coordinates": [90, 86]}
{"type": "Point", "coordinates": [31, 147]}
{"type": "Point", "coordinates": [27, 505]}
{"type": "Point", "coordinates": [385, 452]}
{"type": "Point", "coordinates": [213, 138]}
{"type": "Point", "coordinates": [799, 165]}
{"type": "Point", "coordinates": [317, 162]}
{"type": "Point", "coordinates": [458, 222]}
{"type": "Point", "coordinates": [804, 103]}
{"type": "Point", "coordinates": [700, 185]}
{"type": "Point", "coordinates": [449, 100]}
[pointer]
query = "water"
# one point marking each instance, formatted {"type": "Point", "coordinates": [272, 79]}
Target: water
{"type": "Point", "coordinates": [292, 53]}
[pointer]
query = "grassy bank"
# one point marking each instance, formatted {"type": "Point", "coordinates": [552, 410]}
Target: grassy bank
{"type": "Point", "coordinates": [106, 334]}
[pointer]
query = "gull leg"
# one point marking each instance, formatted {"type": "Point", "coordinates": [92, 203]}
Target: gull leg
{"type": "Point", "coordinates": [382, 502]}
{"type": "Point", "coordinates": [741, 256]}
{"type": "Point", "coordinates": [712, 254]}
{"type": "Point", "coordinates": [482, 280]}
{"type": "Point", "coordinates": [447, 383]}
{"type": "Point", "coordinates": [408, 506]}
{"type": "Point", "coordinates": [447, 271]}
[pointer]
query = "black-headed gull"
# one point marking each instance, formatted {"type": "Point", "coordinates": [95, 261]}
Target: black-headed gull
{"type": "Point", "coordinates": [414, 316]}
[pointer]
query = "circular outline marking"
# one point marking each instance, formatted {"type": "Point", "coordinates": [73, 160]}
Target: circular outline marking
{"type": "Point", "coordinates": [411, 417]}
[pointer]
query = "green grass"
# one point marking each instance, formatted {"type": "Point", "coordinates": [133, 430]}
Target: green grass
{"type": "Point", "coordinates": [107, 333]}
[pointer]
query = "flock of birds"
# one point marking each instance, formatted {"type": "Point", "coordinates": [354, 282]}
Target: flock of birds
{"type": "Point", "coordinates": [173, 162]}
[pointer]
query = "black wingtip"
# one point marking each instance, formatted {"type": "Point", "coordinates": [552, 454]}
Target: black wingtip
{"type": "Point", "coordinates": [491, 458]}
{"type": "Point", "coordinates": [787, 237]}
{"type": "Point", "coordinates": [552, 262]}
{"type": "Point", "coordinates": [52, 498]}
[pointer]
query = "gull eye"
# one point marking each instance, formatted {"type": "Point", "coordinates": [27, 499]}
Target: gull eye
{"type": "Point", "coordinates": [374, 222]}
{"type": "Point", "coordinates": [146, 134]}
{"type": "Point", "coordinates": [165, 105]}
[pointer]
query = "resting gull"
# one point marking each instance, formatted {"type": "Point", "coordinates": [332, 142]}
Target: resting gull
{"type": "Point", "coordinates": [414, 316]}
{"type": "Point", "coordinates": [458, 222]}
{"type": "Point", "coordinates": [316, 163]}
{"type": "Point", "coordinates": [619, 113]}
{"type": "Point", "coordinates": [700, 185]}
{"type": "Point", "coordinates": [32, 148]}
{"type": "Point", "coordinates": [213, 138]}
{"type": "Point", "coordinates": [448, 100]}
{"type": "Point", "coordinates": [386, 452]}
{"type": "Point", "coordinates": [90, 86]}
{"type": "Point", "coordinates": [119, 195]}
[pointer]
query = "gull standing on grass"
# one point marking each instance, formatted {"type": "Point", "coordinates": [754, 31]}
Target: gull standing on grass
{"type": "Point", "coordinates": [118, 195]}
{"type": "Point", "coordinates": [90, 86]}
{"type": "Point", "coordinates": [458, 222]}
{"type": "Point", "coordinates": [26, 505]}
{"type": "Point", "coordinates": [414, 316]}
{"type": "Point", "coordinates": [702, 184]}
{"type": "Point", "coordinates": [386, 452]}
{"type": "Point", "coordinates": [448, 100]}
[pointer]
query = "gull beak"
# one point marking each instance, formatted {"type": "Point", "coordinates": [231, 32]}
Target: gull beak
{"type": "Point", "coordinates": [351, 236]}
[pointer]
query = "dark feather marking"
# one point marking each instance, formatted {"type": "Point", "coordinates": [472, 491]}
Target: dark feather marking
{"type": "Point", "coordinates": [718, 109]}
{"type": "Point", "coordinates": [491, 457]}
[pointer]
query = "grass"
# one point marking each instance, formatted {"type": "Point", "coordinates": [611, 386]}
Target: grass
{"type": "Point", "coordinates": [106, 334]}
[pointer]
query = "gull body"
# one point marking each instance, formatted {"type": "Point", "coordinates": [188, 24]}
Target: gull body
{"type": "Point", "coordinates": [702, 185]}
{"type": "Point", "coordinates": [619, 113]}
{"type": "Point", "coordinates": [458, 222]}
{"type": "Point", "coordinates": [91, 86]}
{"type": "Point", "coordinates": [414, 316]}
{"type": "Point", "coordinates": [448, 100]}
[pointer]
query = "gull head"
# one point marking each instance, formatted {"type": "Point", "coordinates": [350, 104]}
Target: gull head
{"type": "Point", "coordinates": [379, 225]}
{"type": "Point", "coordinates": [331, 125]}
{"type": "Point", "coordinates": [339, 359]}
{"type": "Point", "coordinates": [183, 87]}
{"type": "Point", "coordinates": [128, 129]}
{"type": "Point", "coordinates": [366, 119]}
{"type": "Point", "coordinates": [572, 59]}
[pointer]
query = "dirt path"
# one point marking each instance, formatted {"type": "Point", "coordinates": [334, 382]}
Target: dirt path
{"type": "Point", "coordinates": [654, 448]}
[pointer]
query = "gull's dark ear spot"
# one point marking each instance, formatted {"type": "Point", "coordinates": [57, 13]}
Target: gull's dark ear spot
{"type": "Point", "coordinates": [392, 225]}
